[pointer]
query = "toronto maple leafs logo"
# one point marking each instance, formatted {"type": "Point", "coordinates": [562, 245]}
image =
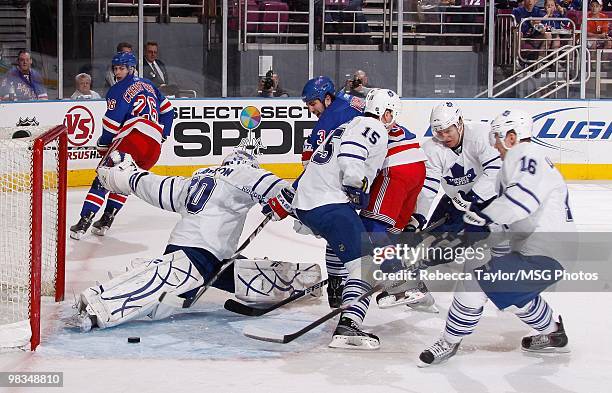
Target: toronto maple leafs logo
{"type": "Point", "coordinates": [458, 177]}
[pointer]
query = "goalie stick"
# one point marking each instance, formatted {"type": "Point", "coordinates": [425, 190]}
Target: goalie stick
{"type": "Point", "coordinates": [264, 335]}
{"type": "Point", "coordinates": [176, 301]}
{"type": "Point", "coordinates": [244, 309]}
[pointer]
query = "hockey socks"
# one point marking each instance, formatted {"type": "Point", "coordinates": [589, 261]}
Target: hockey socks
{"type": "Point", "coordinates": [461, 321]}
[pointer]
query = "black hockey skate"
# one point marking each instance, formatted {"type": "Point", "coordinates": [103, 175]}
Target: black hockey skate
{"type": "Point", "coordinates": [334, 291]}
{"type": "Point", "coordinates": [79, 229]}
{"type": "Point", "coordinates": [104, 223]}
{"type": "Point", "coordinates": [440, 351]}
{"type": "Point", "coordinates": [555, 342]}
{"type": "Point", "coordinates": [349, 335]}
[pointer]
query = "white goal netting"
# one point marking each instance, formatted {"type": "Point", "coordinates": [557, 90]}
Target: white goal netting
{"type": "Point", "coordinates": [16, 231]}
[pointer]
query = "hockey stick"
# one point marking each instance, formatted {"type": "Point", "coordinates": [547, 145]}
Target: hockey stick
{"type": "Point", "coordinates": [176, 301]}
{"type": "Point", "coordinates": [263, 335]}
{"type": "Point", "coordinates": [244, 309]}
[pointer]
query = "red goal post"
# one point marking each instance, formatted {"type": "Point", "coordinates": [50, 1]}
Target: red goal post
{"type": "Point", "coordinates": [33, 181]}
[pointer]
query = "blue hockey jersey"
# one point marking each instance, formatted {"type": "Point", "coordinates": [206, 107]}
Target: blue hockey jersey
{"type": "Point", "coordinates": [136, 103]}
{"type": "Point", "coordinates": [344, 108]}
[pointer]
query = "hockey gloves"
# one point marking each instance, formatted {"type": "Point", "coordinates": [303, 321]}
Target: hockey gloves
{"type": "Point", "coordinates": [279, 206]}
{"type": "Point", "coordinates": [417, 222]}
{"type": "Point", "coordinates": [474, 216]}
{"type": "Point", "coordinates": [358, 196]}
{"type": "Point", "coordinates": [117, 178]}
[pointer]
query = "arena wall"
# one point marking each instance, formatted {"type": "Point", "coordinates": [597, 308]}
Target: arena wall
{"type": "Point", "coordinates": [577, 135]}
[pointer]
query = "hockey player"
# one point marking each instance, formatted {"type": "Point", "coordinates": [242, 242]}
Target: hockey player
{"type": "Point", "coordinates": [335, 183]}
{"type": "Point", "coordinates": [213, 205]}
{"type": "Point", "coordinates": [461, 161]}
{"type": "Point", "coordinates": [138, 120]}
{"type": "Point", "coordinates": [532, 198]}
{"type": "Point", "coordinates": [332, 110]}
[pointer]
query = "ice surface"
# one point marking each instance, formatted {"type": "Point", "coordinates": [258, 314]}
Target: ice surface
{"type": "Point", "coordinates": [203, 350]}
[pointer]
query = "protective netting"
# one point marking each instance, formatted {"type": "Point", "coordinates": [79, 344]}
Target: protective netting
{"type": "Point", "coordinates": [16, 161]}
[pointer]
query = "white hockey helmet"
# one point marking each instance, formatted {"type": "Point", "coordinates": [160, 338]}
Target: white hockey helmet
{"type": "Point", "coordinates": [514, 120]}
{"type": "Point", "coordinates": [240, 157]}
{"type": "Point", "coordinates": [444, 115]}
{"type": "Point", "coordinates": [379, 100]}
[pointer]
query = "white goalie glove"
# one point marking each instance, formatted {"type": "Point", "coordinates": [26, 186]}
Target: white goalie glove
{"type": "Point", "coordinates": [117, 178]}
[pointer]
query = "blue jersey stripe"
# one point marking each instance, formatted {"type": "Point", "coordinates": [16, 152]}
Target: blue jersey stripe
{"type": "Point", "coordinates": [430, 189]}
{"type": "Point", "coordinates": [271, 187]}
{"type": "Point", "coordinates": [491, 167]}
{"type": "Point", "coordinates": [519, 204]}
{"type": "Point", "coordinates": [260, 179]}
{"type": "Point", "coordinates": [161, 189]}
{"type": "Point", "coordinates": [529, 192]}
{"type": "Point", "coordinates": [490, 161]}
{"type": "Point", "coordinates": [432, 179]}
{"type": "Point", "coordinates": [355, 144]}
{"type": "Point", "coordinates": [351, 156]}
{"type": "Point", "coordinates": [172, 194]}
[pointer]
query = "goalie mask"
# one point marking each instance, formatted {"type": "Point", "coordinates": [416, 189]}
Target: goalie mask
{"type": "Point", "coordinates": [516, 121]}
{"type": "Point", "coordinates": [240, 157]}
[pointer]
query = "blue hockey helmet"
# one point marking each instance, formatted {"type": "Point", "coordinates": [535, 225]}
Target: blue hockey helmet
{"type": "Point", "coordinates": [124, 58]}
{"type": "Point", "coordinates": [317, 88]}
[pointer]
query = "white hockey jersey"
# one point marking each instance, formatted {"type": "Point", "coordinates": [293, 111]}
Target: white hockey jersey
{"type": "Point", "coordinates": [472, 168]}
{"type": "Point", "coordinates": [532, 197]}
{"type": "Point", "coordinates": [355, 150]}
{"type": "Point", "coordinates": [213, 203]}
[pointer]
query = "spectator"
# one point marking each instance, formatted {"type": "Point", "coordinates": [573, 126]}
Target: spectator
{"type": "Point", "coordinates": [597, 30]}
{"type": "Point", "coordinates": [534, 37]}
{"type": "Point", "coordinates": [110, 76]}
{"type": "Point", "coordinates": [154, 69]}
{"type": "Point", "coordinates": [552, 27]}
{"type": "Point", "coordinates": [569, 5]}
{"type": "Point", "coordinates": [22, 82]}
{"type": "Point", "coordinates": [83, 88]}
{"type": "Point", "coordinates": [358, 86]}
{"type": "Point", "coordinates": [270, 87]}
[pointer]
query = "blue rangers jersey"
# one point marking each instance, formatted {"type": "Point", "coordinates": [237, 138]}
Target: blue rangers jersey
{"type": "Point", "coordinates": [342, 110]}
{"type": "Point", "coordinates": [136, 103]}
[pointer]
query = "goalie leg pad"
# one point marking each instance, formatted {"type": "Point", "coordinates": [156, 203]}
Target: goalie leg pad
{"type": "Point", "coordinates": [135, 293]}
{"type": "Point", "coordinates": [267, 281]}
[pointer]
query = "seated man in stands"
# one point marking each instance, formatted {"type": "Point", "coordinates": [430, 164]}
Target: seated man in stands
{"type": "Point", "coordinates": [22, 83]}
{"type": "Point", "coordinates": [529, 31]}
{"type": "Point", "coordinates": [155, 70]}
{"type": "Point", "coordinates": [597, 30]}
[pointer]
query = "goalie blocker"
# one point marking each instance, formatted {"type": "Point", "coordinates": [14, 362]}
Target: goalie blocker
{"type": "Point", "coordinates": [113, 303]}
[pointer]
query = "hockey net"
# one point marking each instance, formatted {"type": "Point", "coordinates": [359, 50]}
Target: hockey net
{"type": "Point", "coordinates": [32, 228]}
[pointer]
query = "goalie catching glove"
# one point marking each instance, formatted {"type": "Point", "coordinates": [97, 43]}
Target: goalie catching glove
{"type": "Point", "coordinates": [117, 178]}
{"type": "Point", "coordinates": [279, 207]}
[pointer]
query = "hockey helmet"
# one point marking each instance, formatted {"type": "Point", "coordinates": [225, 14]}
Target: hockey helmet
{"type": "Point", "coordinates": [514, 120]}
{"type": "Point", "coordinates": [124, 58]}
{"type": "Point", "coordinates": [317, 88]}
{"type": "Point", "coordinates": [240, 157]}
{"type": "Point", "coordinates": [379, 100]}
{"type": "Point", "coordinates": [444, 115]}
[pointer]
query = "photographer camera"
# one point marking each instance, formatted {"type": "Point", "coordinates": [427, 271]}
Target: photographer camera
{"type": "Point", "coordinates": [269, 86]}
{"type": "Point", "coordinates": [358, 86]}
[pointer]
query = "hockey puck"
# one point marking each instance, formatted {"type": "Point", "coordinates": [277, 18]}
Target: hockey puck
{"type": "Point", "coordinates": [133, 340]}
